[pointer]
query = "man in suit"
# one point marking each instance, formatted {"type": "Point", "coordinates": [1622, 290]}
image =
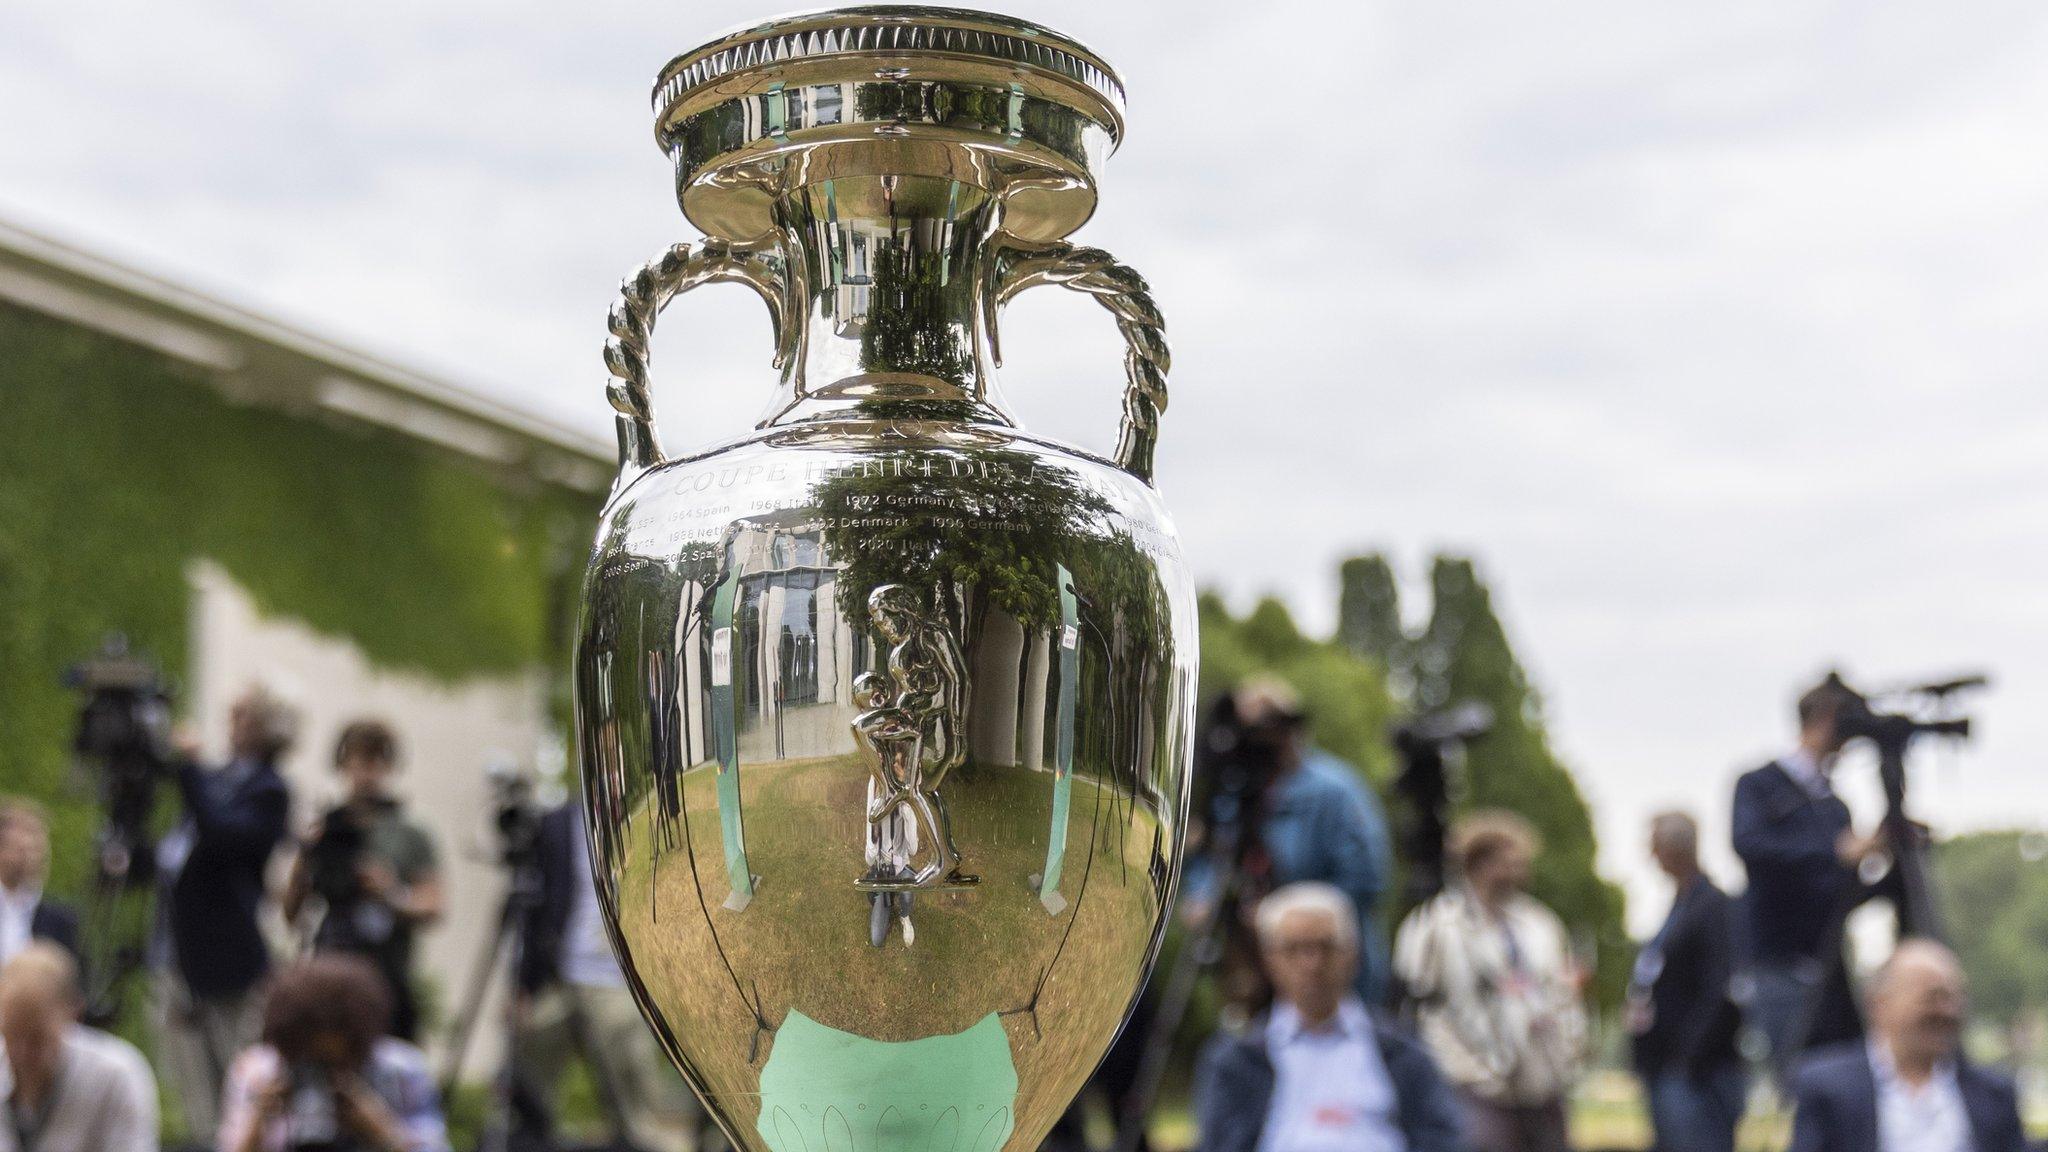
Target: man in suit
{"type": "Point", "coordinates": [1801, 849]}
{"type": "Point", "coordinates": [1909, 1089]}
{"type": "Point", "coordinates": [1321, 1071]}
{"type": "Point", "coordinates": [1679, 1012]}
{"type": "Point", "coordinates": [209, 950]}
{"type": "Point", "coordinates": [26, 915]}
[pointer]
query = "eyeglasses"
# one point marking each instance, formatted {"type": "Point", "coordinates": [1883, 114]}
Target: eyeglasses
{"type": "Point", "coordinates": [1304, 949]}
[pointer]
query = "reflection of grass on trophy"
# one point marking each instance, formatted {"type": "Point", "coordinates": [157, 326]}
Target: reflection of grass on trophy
{"type": "Point", "coordinates": [802, 943]}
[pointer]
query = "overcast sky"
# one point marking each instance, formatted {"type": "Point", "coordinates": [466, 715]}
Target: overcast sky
{"type": "Point", "coordinates": [1717, 332]}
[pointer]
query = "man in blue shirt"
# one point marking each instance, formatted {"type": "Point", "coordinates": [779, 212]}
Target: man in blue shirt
{"type": "Point", "coordinates": [1321, 1073]}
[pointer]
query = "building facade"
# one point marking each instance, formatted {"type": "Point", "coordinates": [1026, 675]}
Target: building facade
{"type": "Point", "coordinates": [247, 502]}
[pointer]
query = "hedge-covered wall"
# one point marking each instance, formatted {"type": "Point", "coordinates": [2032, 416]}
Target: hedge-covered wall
{"type": "Point", "coordinates": [119, 467]}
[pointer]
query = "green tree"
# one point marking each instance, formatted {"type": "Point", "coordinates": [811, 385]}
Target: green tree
{"type": "Point", "coordinates": [1995, 886]}
{"type": "Point", "coordinates": [1369, 612]}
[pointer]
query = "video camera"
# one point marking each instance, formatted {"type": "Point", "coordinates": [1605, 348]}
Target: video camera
{"type": "Point", "coordinates": [334, 861]}
{"type": "Point", "coordinates": [123, 741]}
{"type": "Point", "coordinates": [516, 811]}
{"type": "Point", "coordinates": [1426, 744]}
{"type": "Point", "coordinates": [1921, 710]}
{"type": "Point", "coordinates": [1237, 757]}
{"type": "Point", "coordinates": [1857, 718]}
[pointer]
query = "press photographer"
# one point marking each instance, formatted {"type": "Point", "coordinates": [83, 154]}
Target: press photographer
{"type": "Point", "coordinates": [1807, 862]}
{"type": "Point", "coordinates": [327, 1077]}
{"type": "Point", "coordinates": [1282, 811]}
{"type": "Point", "coordinates": [368, 870]}
{"type": "Point", "coordinates": [209, 951]}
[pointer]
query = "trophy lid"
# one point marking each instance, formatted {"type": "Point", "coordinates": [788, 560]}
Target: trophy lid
{"type": "Point", "coordinates": [886, 90]}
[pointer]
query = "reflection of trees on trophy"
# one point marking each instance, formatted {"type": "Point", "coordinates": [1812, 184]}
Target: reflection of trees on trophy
{"type": "Point", "coordinates": [911, 721]}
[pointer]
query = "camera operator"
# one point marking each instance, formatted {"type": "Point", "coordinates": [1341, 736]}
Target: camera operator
{"type": "Point", "coordinates": [573, 999]}
{"type": "Point", "coordinates": [1309, 816]}
{"type": "Point", "coordinates": [1797, 840]}
{"type": "Point", "coordinates": [66, 1087]}
{"type": "Point", "coordinates": [25, 914]}
{"type": "Point", "coordinates": [326, 1076]}
{"type": "Point", "coordinates": [374, 869]}
{"type": "Point", "coordinates": [209, 950]}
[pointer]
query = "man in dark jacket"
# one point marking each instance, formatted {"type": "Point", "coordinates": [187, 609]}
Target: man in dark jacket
{"type": "Point", "coordinates": [1320, 1071]}
{"type": "Point", "coordinates": [1802, 852]}
{"type": "Point", "coordinates": [27, 915]}
{"type": "Point", "coordinates": [1683, 1022]}
{"type": "Point", "coordinates": [209, 949]}
{"type": "Point", "coordinates": [1909, 1089]}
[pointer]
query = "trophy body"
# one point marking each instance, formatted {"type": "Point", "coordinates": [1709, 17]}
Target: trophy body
{"type": "Point", "coordinates": [884, 709]}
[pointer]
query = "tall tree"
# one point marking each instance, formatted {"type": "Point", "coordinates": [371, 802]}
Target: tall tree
{"type": "Point", "coordinates": [1369, 612]}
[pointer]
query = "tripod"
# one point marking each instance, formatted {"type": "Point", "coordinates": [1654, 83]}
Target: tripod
{"type": "Point", "coordinates": [1196, 958]}
{"type": "Point", "coordinates": [121, 898]}
{"type": "Point", "coordinates": [1910, 886]}
{"type": "Point", "coordinates": [505, 947]}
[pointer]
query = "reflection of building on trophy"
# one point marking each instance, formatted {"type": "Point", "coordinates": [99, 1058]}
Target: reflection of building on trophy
{"type": "Point", "coordinates": [911, 720]}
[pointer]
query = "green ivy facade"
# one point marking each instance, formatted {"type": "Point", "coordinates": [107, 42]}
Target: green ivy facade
{"type": "Point", "coordinates": [120, 468]}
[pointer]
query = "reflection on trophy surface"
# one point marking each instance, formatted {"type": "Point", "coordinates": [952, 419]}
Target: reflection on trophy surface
{"type": "Point", "coordinates": [914, 736]}
{"type": "Point", "coordinates": [888, 665]}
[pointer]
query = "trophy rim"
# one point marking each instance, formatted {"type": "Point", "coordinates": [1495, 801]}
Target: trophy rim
{"type": "Point", "coordinates": [888, 90]}
{"type": "Point", "coordinates": [931, 35]}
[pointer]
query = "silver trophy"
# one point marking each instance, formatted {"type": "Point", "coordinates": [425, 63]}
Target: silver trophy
{"type": "Point", "coordinates": [885, 707]}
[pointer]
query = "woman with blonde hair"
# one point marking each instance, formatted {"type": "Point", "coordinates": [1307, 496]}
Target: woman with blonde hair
{"type": "Point", "coordinates": [1496, 990]}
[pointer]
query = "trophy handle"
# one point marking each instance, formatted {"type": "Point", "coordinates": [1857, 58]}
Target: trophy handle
{"type": "Point", "coordinates": [1121, 290]}
{"type": "Point", "coordinates": [641, 298]}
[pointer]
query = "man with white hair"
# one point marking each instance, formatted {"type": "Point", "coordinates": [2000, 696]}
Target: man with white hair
{"type": "Point", "coordinates": [1320, 1073]}
{"type": "Point", "coordinates": [209, 951]}
{"type": "Point", "coordinates": [1680, 1016]}
{"type": "Point", "coordinates": [1908, 1088]}
{"type": "Point", "coordinates": [66, 1087]}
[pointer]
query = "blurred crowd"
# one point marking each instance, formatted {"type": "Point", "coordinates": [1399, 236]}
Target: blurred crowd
{"type": "Point", "coordinates": [319, 1052]}
{"type": "Point", "coordinates": [1467, 1030]}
